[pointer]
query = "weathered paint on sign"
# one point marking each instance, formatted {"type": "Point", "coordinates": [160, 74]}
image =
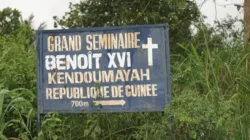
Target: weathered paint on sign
{"type": "Point", "coordinates": [113, 69]}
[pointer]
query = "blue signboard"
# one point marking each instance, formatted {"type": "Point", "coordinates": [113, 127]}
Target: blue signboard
{"type": "Point", "coordinates": [112, 69]}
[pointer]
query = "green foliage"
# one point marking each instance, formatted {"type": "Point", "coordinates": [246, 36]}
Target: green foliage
{"type": "Point", "coordinates": [98, 13]}
{"type": "Point", "coordinates": [209, 80]}
{"type": "Point", "coordinates": [17, 68]}
{"type": "Point", "coordinates": [211, 88]}
{"type": "Point", "coordinates": [9, 21]}
{"type": "Point", "coordinates": [17, 113]}
{"type": "Point", "coordinates": [17, 71]}
{"type": "Point", "coordinates": [53, 128]}
{"type": "Point", "coordinates": [13, 26]}
{"type": "Point", "coordinates": [197, 118]}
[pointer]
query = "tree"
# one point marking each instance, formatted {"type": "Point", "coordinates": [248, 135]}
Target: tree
{"type": "Point", "coordinates": [12, 25]}
{"type": "Point", "coordinates": [10, 21]}
{"type": "Point", "coordinates": [95, 13]}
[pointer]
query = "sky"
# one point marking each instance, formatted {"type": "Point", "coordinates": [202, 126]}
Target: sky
{"type": "Point", "coordinates": [44, 10]}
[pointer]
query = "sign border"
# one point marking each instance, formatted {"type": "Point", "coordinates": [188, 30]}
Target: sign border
{"type": "Point", "coordinates": [39, 65]}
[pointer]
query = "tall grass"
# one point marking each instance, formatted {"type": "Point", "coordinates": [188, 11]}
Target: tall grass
{"type": "Point", "coordinates": [216, 80]}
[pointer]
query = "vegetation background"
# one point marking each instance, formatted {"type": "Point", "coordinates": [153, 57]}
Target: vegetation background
{"type": "Point", "coordinates": [210, 76]}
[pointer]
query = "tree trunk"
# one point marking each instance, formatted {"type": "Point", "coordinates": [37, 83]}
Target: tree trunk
{"type": "Point", "coordinates": [246, 21]}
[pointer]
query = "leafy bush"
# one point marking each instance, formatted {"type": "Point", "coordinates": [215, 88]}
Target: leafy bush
{"type": "Point", "coordinates": [197, 118]}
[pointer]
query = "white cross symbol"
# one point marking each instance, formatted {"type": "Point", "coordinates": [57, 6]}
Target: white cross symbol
{"type": "Point", "coordinates": [150, 48]}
